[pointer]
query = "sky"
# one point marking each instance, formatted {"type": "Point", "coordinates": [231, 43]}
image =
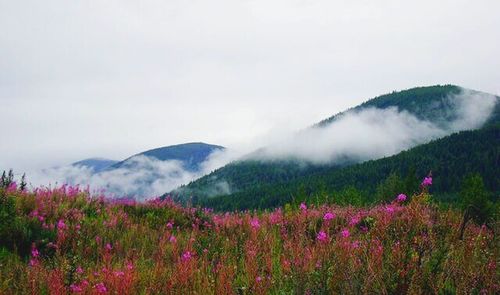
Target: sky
{"type": "Point", "coordinates": [81, 79]}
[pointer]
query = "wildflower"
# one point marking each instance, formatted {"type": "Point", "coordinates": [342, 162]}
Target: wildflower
{"type": "Point", "coordinates": [255, 223]}
{"type": "Point", "coordinates": [109, 247]}
{"type": "Point", "coordinates": [33, 262]}
{"type": "Point", "coordinates": [354, 220]}
{"type": "Point", "coordinates": [101, 288]}
{"type": "Point", "coordinates": [130, 266]}
{"type": "Point", "coordinates": [389, 209]}
{"type": "Point", "coordinates": [172, 239]}
{"type": "Point", "coordinates": [187, 256]}
{"type": "Point", "coordinates": [170, 225]}
{"type": "Point", "coordinates": [401, 198]}
{"type": "Point", "coordinates": [329, 216]}
{"type": "Point", "coordinates": [79, 270]}
{"type": "Point", "coordinates": [355, 244]}
{"type": "Point", "coordinates": [119, 274]}
{"type": "Point", "coordinates": [12, 187]}
{"type": "Point", "coordinates": [345, 233]}
{"type": "Point", "coordinates": [427, 181]}
{"type": "Point", "coordinates": [75, 288]}
{"type": "Point", "coordinates": [61, 225]}
{"type": "Point", "coordinates": [322, 236]}
{"type": "Point", "coordinates": [35, 253]}
{"type": "Point", "coordinates": [303, 207]}
{"type": "Point", "coordinates": [258, 279]}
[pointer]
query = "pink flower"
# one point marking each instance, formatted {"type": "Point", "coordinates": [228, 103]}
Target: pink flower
{"type": "Point", "coordinates": [427, 181]}
{"type": "Point", "coordinates": [119, 274]}
{"type": "Point", "coordinates": [33, 262]}
{"type": "Point", "coordinates": [101, 288]}
{"type": "Point", "coordinates": [130, 266]}
{"type": "Point", "coordinates": [170, 225]}
{"type": "Point", "coordinates": [75, 288]}
{"type": "Point", "coordinates": [389, 209]}
{"type": "Point", "coordinates": [187, 256]}
{"type": "Point", "coordinates": [355, 244]}
{"type": "Point", "coordinates": [12, 187]}
{"type": "Point", "coordinates": [329, 216]}
{"type": "Point", "coordinates": [258, 279]}
{"type": "Point", "coordinates": [255, 223]}
{"type": "Point", "coordinates": [79, 270]}
{"type": "Point", "coordinates": [322, 236]}
{"type": "Point", "coordinates": [109, 247]}
{"type": "Point", "coordinates": [303, 207]}
{"type": "Point", "coordinates": [172, 239]}
{"type": "Point", "coordinates": [35, 253]}
{"type": "Point", "coordinates": [61, 225]}
{"type": "Point", "coordinates": [354, 220]}
{"type": "Point", "coordinates": [345, 233]}
{"type": "Point", "coordinates": [401, 198]}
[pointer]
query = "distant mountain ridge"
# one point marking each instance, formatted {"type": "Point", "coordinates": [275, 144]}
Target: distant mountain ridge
{"type": "Point", "coordinates": [190, 154]}
{"type": "Point", "coordinates": [95, 164]}
{"type": "Point", "coordinates": [433, 104]}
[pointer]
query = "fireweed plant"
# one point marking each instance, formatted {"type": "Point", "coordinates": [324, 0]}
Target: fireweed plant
{"type": "Point", "coordinates": [64, 240]}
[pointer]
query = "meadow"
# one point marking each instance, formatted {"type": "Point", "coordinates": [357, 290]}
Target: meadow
{"type": "Point", "coordinates": [67, 240]}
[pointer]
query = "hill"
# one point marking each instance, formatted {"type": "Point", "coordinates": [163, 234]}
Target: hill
{"type": "Point", "coordinates": [190, 154]}
{"type": "Point", "coordinates": [450, 159]}
{"type": "Point", "coordinates": [95, 164]}
{"type": "Point", "coordinates": [437, 105]}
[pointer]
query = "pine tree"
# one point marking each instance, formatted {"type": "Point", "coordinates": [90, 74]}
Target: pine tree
{"type": "Point", "coordinates": [23, 184]}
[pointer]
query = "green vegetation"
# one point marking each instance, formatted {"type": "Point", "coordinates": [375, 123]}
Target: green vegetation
{"type": "Point", "coordinates": [450, 159]}
{"type": "Point", "coordinates": [249, 184]}
{"type": "Point", "coordinates": [74, 243]}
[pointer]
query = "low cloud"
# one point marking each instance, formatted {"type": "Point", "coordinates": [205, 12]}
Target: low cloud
{"type": "Point", "coordinates": [142, 178]}
{"type": "Point", "coordinates": [373, 133]}
{"type": "Point", "coordinates": [361, 135]}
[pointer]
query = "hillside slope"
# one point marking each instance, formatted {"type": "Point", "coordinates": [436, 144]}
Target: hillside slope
{"type": "Point", "coordinates": [432, 104]}
{"type": "Point", "coordinates": [190, 154]}
{"type": "Point", "coordinates": [95, 164]}
{"type": "Point", "coordinates": [450, 159]}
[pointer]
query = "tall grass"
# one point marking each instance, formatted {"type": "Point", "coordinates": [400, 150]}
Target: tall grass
{"type": "Point", "coordinates": [63, 240]}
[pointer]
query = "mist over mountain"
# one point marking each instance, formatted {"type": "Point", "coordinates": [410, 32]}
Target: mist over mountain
{"type": "Point", "coordinates": [191, 155]}
{"type": "Point", "coordinates": [380, 127]}
{"type": "Point", "coordinates": [96, 164]}
{"type": "Point", "coordinates": [141, 176]}
{"type": "Point", "coordinates": [450, 159]}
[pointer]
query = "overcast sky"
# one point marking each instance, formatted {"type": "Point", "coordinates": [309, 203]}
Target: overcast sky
{"type": "Point", "coordinates": [80, 79]}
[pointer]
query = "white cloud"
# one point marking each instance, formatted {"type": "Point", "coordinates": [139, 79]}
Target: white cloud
{"type": "Point", "coordinates": [360, 135]}
{"type": "Point", "coordinates": [374, 133]}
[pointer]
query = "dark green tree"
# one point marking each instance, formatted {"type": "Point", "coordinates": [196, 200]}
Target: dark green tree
{"type": "Point", "coordinates": [23, 183]}
{"type": "Point", "coordinates": [474, 201]}
{"type": "Point", "coordinates": [388, 189]}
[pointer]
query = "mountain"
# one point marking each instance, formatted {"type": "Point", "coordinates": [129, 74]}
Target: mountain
{"type": "Point", "coordinates": [450, 159]}
{"type": "Point", "coordinates": [95, 164]}
{"type": "Point", "coordinates": [190, 154]}
{"type": "Point", "coordinates": [434, 105]}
